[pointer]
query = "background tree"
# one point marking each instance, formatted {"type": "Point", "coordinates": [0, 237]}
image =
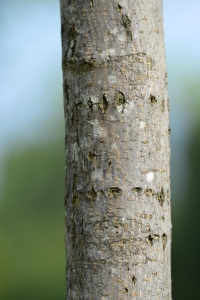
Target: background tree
{"type": "Point", "coordinates": [117, 150]}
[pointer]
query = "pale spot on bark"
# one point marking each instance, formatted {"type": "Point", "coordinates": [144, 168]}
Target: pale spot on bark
{"type": "Point", "coordinates": [119, 109]}
{"type": "Point", "coordinates": [97, 174]}
{"type": "Point", "coordinates": [73, 295]}
{"type": "Point", "coordinates": [97, 129]}
{"type": "Point", "coordinates": [114, 146]}
{"type": "Point", "coordinates": [128, 108]}
{"type": "Point", "coordinates": [107, 53]}
{"type": "Point", "coordinates": [150, 177]}
{"type": "Point", "coordinates": [113, 118]}
{"type": "Point", "coordinates": [75, 151]}
{"type": "Point", "coordinates": [70, 8]}
{"type": "Point", "coordinates": [122, 38]}
{"type": "Point", "coordinates": [70, 51]}
{"type": "Point", "coordinates": [84, 142]}
{"type": "Point", "coordinates": [94, 99]}
{"type": "Point", "coordinates": [111, 51]}
{"type": "Point", "coordinates": [113, 31]}
{"type": "Point", "coordinates": [142, 124]}
{"type": "Point", "coordinates": [112, 79]}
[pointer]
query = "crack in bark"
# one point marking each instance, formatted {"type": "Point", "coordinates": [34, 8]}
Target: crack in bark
{"type": "Point", "coordinates": [104, 103]}
{"type": "Point", "coordinates": [91, 3]}
{"type": "Point", "coordinates": [88, 64]}
{"type": "Point", "coordinates": [92, 194]}
{"type": "Point", "coordinates": [152, 238]}
{"type": "Point", "coordinates": [153, 99]}
{"type": "Point", "coordinates": [137, 189]}
{"type": "Point", "coordinates": [90, 104]}
{"type": "Point", "coordinates": [127, 25]}
{"type": "Point", "coordinates": [164, 238]}
{"type": "Point", "coordinates": [120, 101]}
{"type": "Point", "coordinates": [114, 191]}
{"type": "Point", "coordinates": [161, 197]}
{"type": "Point", "coordinates": [72, 34]}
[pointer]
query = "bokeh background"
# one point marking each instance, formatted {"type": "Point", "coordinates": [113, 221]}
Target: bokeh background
{"type": "Point", "coordinates": [32, 252]}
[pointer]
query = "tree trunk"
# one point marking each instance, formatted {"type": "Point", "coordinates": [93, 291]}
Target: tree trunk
{"type": "Point", "coordinates": [117, 198]}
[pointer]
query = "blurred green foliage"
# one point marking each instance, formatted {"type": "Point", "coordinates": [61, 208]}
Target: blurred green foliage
{"type": "Point", "coordinates": [186, 227]}
{"type": "Point", "coordinates": [32, 260]}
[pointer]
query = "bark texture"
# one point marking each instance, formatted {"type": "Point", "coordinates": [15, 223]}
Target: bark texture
{"type": "Point", "coordinates": [117, 198]}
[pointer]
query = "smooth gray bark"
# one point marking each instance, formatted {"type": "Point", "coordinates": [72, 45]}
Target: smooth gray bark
{"type": "Point", "coordinates": [118, 226]}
